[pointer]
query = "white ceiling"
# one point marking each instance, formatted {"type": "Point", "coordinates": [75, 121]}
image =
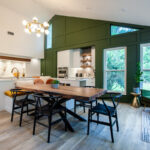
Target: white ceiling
{"type": "Point", "coordinates": [127, 11]}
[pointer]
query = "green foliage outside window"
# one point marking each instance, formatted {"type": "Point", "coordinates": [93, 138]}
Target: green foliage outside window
{"type": "Point", "coordinates": [115, 30]}
{"type": "Point", "coordinates": [146, 67]}
{"type": "Point", "coordinates": [115, 70]}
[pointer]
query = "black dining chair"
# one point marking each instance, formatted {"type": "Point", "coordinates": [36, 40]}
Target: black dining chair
{"type": "Point", "coordinates": [84, 103]}
{"type": "Point", "coordinates": [22, 102]}
{"type": "Point", "coordinates": [48, 106]}
{"type": "Point", "coordinates": [107, 110]}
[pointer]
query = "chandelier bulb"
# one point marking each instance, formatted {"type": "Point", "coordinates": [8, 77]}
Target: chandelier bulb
{"type": "Point", "coordinates": [46, 32]}
{"type": "Point", "coordinates": [24, 22]}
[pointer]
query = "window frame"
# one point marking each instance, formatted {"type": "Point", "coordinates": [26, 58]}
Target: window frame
{"type": "Point", "coordinates": [105, 69]}
{"type": "Point", "coordinates": [141, 59]}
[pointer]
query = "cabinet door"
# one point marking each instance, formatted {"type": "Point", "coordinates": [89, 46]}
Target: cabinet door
{"type": "Point", "coordinates": [90, 82]}
{"type": "Point", "coordinates": [50, 64]}
{"type": "Point", "coordinates": [43, 67]}
{"type": "Point", "coordinates": [76, 58]}
{"type": "Point", "coordinates": [63, 58]}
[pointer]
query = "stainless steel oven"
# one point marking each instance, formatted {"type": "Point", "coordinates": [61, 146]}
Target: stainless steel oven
{"type": "Point", "coordinates": [62, 72]}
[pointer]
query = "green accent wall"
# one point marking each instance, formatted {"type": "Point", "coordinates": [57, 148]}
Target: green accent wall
{"type": "Point", "coordinates": [71, 32]}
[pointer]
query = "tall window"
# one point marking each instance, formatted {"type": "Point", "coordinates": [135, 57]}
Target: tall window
{"type": "Point", "coordinates": [145, 65]}
{"type": "Point", "coordinates": [115, 69]}
{"type": "Point", "coordinates": [115, 30]}
{"type": "Point", "coordinates": [49, 37]}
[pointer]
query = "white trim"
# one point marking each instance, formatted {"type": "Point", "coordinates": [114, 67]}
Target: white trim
{"type": "Point", "coordinates": [141, 57]}
{"type": "Point", "coordinates": [106, 70]}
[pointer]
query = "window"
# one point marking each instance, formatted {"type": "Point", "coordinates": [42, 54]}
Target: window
{"type": "Point", "coordinates": [115, 30]}
{"type": "Point", "coordinates": [49, 37]}
{"type": "Point", "coordinates": [115, 69]}
{"type": "Point", "coordinates": [145, 65]}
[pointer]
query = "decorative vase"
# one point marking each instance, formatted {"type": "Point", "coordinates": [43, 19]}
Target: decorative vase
{"type": "Point", "coordinates": [136, 90]}
{"type": "Point", "coordinates": [55, 86]}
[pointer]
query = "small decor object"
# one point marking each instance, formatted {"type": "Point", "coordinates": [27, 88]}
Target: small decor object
{"type": "Point", "coordinates": [55, 84]}
{"type": "Point", "coordinates": [35, 27]}
{"type": "Point", "coordinates": [138, 78]}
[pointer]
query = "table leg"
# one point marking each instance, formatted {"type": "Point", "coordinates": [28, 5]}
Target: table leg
{"type": "Point", "coordinates": [66, 122]}
{"type": "Point", "coordinates": [75, 115]}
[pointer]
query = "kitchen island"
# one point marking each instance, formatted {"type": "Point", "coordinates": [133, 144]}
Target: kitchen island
{"type": "Point", "coordinates": [80, 82]}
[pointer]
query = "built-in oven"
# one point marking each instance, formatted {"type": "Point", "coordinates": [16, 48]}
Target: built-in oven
{"type": "Point", "coordinates": [62, 72]}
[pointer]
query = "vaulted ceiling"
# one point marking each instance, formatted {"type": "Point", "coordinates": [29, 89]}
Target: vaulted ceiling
{"type": "Point", "coordinates": [127, 11]}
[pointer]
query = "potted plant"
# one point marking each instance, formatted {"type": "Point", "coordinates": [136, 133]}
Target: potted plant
{"type": "Point", "coordinates": [55, 84]}
{"type": "Point", "coordinates": [138, 78]}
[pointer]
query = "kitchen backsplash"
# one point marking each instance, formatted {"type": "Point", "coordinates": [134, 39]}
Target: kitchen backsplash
{"type": "Point", "coordinates": [7, 65]}
{"type": "Point", "coordinates": [88, 72]}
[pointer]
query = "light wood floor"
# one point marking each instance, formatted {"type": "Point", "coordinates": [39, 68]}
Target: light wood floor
{"type": "Point", "coordinates": [13, 137]}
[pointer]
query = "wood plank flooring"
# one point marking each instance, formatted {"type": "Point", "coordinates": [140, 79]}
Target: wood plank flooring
{"type": "Point", "coordinates": [13, 137]}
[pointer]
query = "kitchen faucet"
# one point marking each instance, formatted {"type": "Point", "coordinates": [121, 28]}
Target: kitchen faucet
{"type": "Point", "coordinates": [17, 76]}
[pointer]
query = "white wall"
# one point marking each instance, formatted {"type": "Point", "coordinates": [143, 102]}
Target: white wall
{"type": "Point", "coordinates": [33, 68]}
{"type": "Point", "coordinates": [21, 44]}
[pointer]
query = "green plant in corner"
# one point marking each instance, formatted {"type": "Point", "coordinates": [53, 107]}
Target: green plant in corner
{"type": "Point", "coordinates": [138, 78]}
{"type": "Point", "coordinates": [139, 73]}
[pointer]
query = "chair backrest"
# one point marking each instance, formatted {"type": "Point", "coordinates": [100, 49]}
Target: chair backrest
{"type": "Point", "coordinates": [42, 101]}
{"type": "Point", "coordinates": [38, 81]}
{"type": "Point", "coordinates": [89, 86]}
{"type": "Point", "coordinates": [114, 97]}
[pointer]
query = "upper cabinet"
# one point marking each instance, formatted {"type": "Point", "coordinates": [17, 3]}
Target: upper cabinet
{"type": "Point", "coordinates": [69, 58]}
{"type": "Point", "coordinates": [64, 58]}
{"type": "Point", "coordinates": [76, 58]}
{"type": "Point", "coordinates": [72, 58]}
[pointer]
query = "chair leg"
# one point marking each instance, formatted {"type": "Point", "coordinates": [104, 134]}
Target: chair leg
{"type": "Point", "coordinates": [34, 124]}
{"type": "Point", "coordinates": [96, 102]}
{"type": "Point", "coordinates": [66, 120]}
{"type": "Point", "coordinates": [117, 124]}
{"type": "Point", "coordinates": [27, 109]}
{"type": "Point", "coordinates": [21, 115]}
{"type": "Point", "coordinates": [12, 114]}
{"type": "Point", "coordinates": [49, 128]}
{"type": "Point", "coordinates": [75, 103]}
{"type": "Point", "coordinates": [111, 129]}
{"type": "Point", "coordinates": [83, 107]}
{"type": "Point", "coordinates": [97, 118]}
{"type": "Point", "coordinates": [89, 117]}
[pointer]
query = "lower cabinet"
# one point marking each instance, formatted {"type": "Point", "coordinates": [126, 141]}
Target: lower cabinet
{"type": "Point", "coordinates": [90, 82]}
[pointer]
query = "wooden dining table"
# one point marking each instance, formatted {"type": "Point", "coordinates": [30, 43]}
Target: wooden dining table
{"type": "Point", "coordinates": [68, 92]}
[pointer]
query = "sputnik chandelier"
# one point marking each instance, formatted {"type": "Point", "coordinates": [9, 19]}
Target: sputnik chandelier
{"type": "Point", "coordinates": [36, 27]}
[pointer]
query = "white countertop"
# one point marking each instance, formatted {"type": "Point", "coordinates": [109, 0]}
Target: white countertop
{"type": "Point", "coordinates": [74, 79]}
{"type": "Point", "coordinates": [12, 79]}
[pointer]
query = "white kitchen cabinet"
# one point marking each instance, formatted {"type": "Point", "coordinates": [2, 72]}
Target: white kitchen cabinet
{"type": "Point", "coordinates": [90, 82]}
{"type": "Point", "coordinates": [93, 57]}
{"type": "Point", "coordinates": [76, 58]}
{"type": "Point", "coordinates": [64, 58]}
